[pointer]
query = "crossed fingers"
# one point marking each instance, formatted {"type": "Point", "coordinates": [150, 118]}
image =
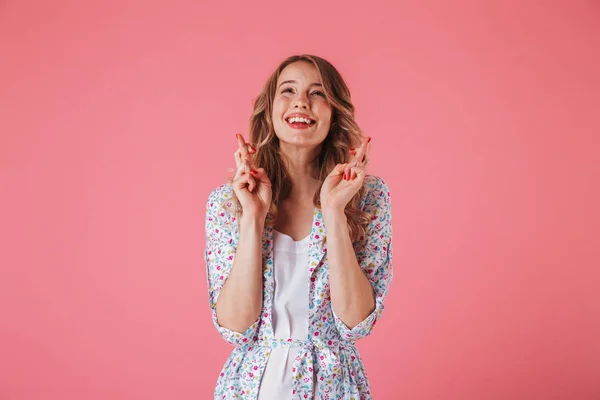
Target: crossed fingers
{"type": "Point", "coordinates": [360, 160]}
{"type": "Point", "coordinates": [246, 170]}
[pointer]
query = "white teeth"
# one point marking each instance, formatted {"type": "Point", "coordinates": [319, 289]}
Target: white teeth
{"type": "Point", "coordinates": [299, 119]}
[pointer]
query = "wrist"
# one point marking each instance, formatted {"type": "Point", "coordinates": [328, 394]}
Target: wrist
{"type": "Point", "coordinates": [334, 216]}
{"type": "Point", "coordinates": [250, 222]}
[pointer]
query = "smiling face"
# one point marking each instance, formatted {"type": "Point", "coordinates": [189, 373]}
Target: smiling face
{"type": "Point", "coordinates": [301, 112]}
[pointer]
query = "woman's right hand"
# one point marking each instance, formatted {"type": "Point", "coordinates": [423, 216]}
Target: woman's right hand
{"type": "Point", "coordinates": [250, 184]}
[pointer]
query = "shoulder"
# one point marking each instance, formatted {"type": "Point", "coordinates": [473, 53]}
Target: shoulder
{"type": "Point", "coordinates": [376, 191]}
{"type": "Point", "coordinates": [220, 193]}
{"type": "Point", "coordinates": [219, 201]}
{"type": "Point", "coordinates": [374, 182]}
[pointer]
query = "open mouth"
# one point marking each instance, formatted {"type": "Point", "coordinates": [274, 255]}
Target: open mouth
{"type": "Point", "coordinates": [300, 122]}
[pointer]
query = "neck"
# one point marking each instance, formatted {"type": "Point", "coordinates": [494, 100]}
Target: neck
{"type": "Point", "coordinates": [299, 169]}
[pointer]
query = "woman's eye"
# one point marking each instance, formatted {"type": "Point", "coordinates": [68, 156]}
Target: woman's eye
{"type": "Point", "coordinates": [291, 90]}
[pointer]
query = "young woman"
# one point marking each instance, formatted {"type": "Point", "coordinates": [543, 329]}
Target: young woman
{"type": "Point", "coordinates": [298, 243]}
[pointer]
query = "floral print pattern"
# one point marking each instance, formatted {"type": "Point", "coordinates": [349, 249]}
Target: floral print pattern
{"type": "Point", "coordinates": [330, 366]}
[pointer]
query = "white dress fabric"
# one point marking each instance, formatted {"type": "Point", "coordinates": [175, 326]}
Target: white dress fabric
{"type": "Point", "coordinates": [290, 313]}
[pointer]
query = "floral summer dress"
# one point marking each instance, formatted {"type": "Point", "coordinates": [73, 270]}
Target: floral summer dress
{"type": "Point", "coordinates": [328, 362]}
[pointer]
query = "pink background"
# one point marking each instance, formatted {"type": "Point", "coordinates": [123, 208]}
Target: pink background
{"type": "Point", "coordinates": [118, 118]}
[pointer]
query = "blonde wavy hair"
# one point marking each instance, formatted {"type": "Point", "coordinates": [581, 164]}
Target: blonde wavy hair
{"type": "Point", "coordinates": [344, 134]}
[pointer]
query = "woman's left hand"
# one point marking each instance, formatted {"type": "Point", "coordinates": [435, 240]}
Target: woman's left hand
{"type": "Point", "coordinates": [345, 180]}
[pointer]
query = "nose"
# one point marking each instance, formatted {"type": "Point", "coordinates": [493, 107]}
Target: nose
{"type": "Point", "coordinates": [301, 101]}
{"type": "Point", "coordinates": [301, 104]}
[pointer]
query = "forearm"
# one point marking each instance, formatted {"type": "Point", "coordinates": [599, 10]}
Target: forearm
{"type": "Point", "coordinates": [240, 301]}
{"type": "Point", "coordinates": [352, 296]}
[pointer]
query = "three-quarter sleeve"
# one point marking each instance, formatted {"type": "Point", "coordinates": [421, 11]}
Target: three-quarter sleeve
{"type": "Point", "coordinates": [219, 254]}
{"type": "Point", "coordinates": [374, 255]}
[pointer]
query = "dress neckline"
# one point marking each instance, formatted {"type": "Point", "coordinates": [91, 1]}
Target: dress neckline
{"type": "Point", "coordinates": [290, 239]}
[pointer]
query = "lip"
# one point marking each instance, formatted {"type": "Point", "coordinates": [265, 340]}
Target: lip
{"type": "Point", "coordinates": [300, 115]}
{"type": "Point", "coordinates": [301, 126]}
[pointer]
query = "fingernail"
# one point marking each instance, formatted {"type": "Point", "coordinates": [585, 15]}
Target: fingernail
{"type": "Point", "coordinates": [237, 135]}
{"type": "Point", "coordinates": [254, 172]}
{"type": "Point", "coordinates": [369, 140]}
{"type": "Point", "coordinates": [252, 150]}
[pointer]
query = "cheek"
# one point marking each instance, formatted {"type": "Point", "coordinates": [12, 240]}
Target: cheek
{"type": "Point", "coordinates": [325, 113]}
{"type": "Point", "coordinates": [279, 107]}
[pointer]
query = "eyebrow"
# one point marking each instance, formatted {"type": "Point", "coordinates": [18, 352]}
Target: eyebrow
{"type": "Point", "coordinates": [293, 81]}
